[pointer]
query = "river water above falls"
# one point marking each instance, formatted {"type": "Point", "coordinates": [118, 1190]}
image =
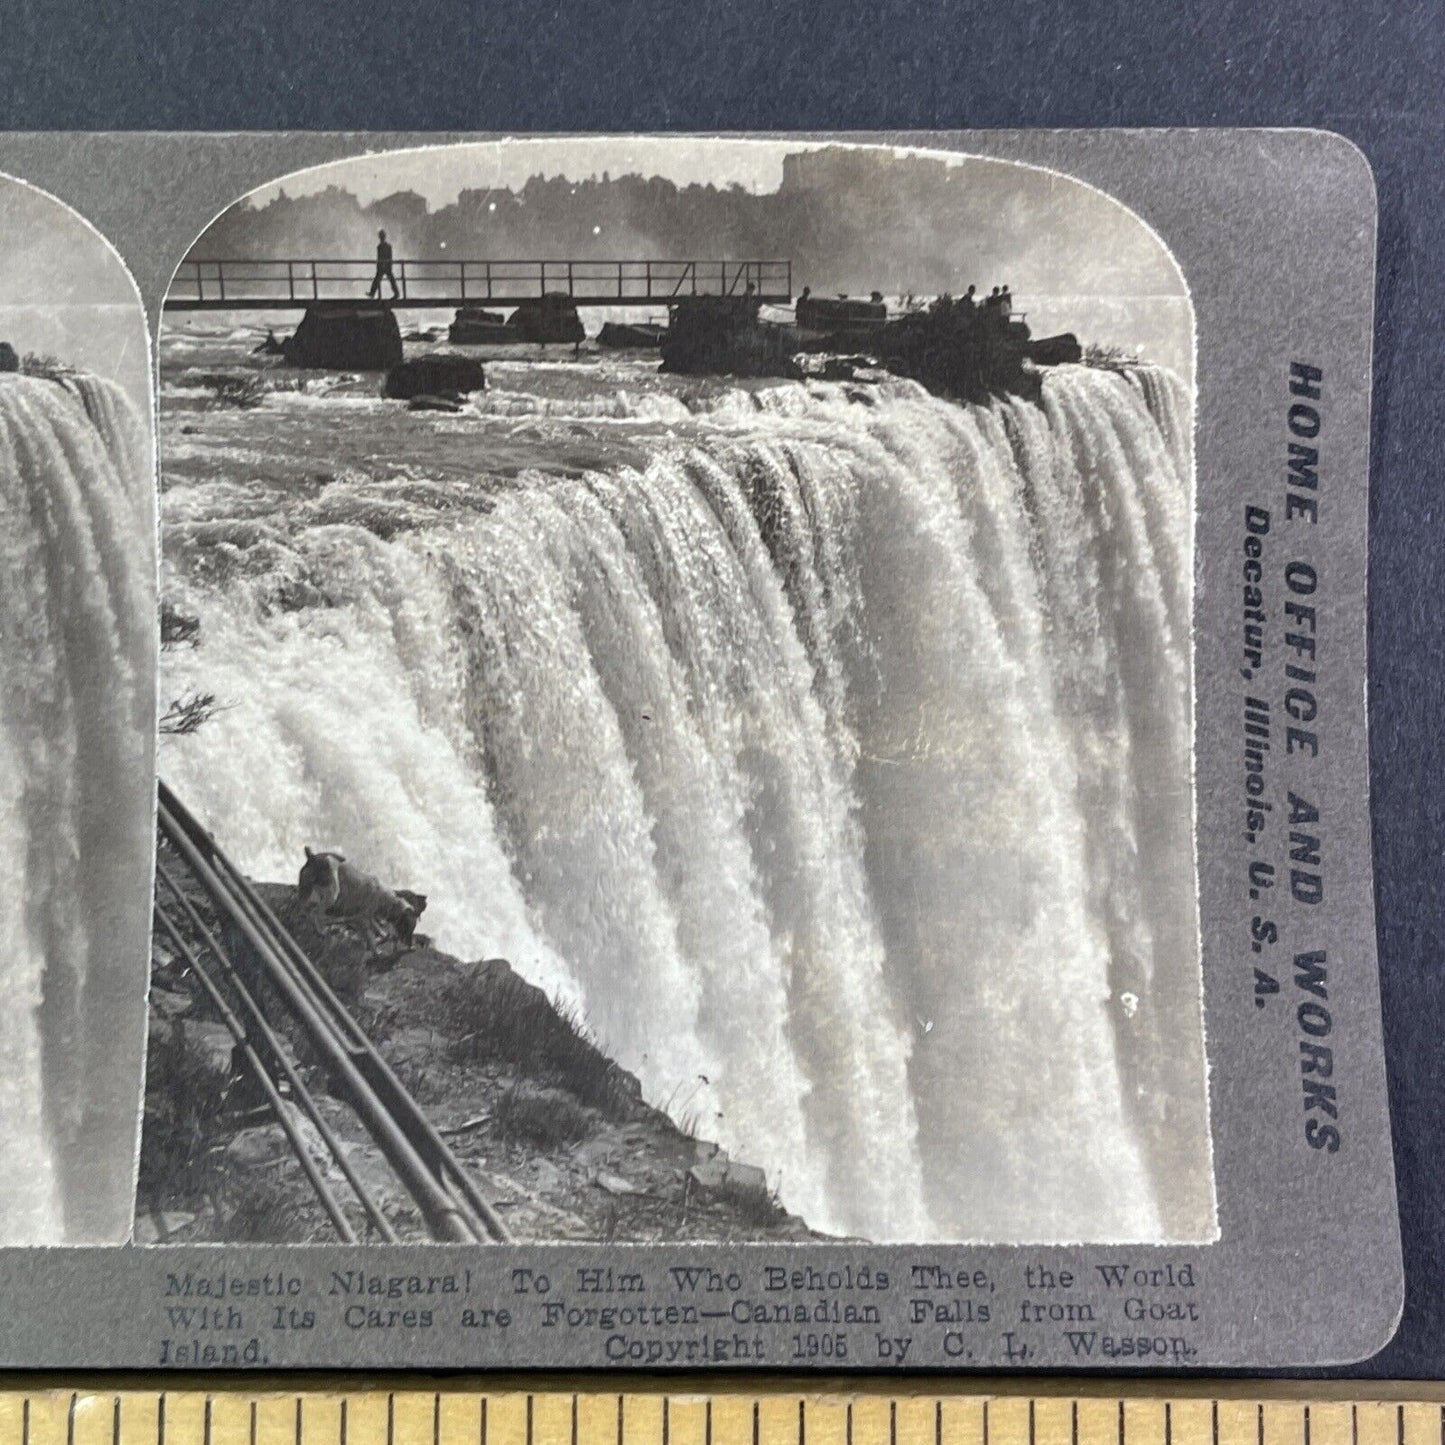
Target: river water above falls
{"type": "Point", "coordinates": [827, 745]}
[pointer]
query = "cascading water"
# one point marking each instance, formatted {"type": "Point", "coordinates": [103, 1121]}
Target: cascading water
{"type": "Point", "coordinates": [828, 745]}
{"type": "Point", "coordinates": [77, 720]}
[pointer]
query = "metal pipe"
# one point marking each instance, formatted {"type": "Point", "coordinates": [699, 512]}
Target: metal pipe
{"type": "Point", "coordinates": [447, 1220]}
{"type": "Point", "coordinates": [415, 1118]}
{"type": "Point", "coordinates": [415, 1121]}
{"type": "Point", "coordinates": [298, 1145]}
{"type": "Point", "coordinates": [259, 1022]}
{"type": "Point", "coordinates": [325, 999]}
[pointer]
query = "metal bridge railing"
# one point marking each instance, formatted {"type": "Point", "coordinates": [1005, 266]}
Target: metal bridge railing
{"type": "Point", "coordinates": [241, 282]}
{"type": "Point", "coordinates": [273, 962]}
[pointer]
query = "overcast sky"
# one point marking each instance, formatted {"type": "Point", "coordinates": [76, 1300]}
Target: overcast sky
{"type": "Point", "coordinates": [1077, 261]}
{"type": "Point", "coordinates": [64, 292]}
{"type": "Point", "coordinates": [440, 173]}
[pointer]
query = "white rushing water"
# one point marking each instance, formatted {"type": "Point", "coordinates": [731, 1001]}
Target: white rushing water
{"type": "Point", "coordinates": [830, 747]}
{"type": "Point", "coordinates": [77, 653]}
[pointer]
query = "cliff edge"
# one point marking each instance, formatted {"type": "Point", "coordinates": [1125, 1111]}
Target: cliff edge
{"type": "Point", "coordinates": [557, 1135]}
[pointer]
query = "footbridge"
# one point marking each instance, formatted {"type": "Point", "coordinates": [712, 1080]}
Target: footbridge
{"type": "Point", "coordinates": [250, 972]}
{"type": "Point", "coordinates": [227, 284]}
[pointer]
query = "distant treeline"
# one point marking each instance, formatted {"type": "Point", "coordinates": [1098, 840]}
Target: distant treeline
{"type": "Point", "coordinates": [850, 220]}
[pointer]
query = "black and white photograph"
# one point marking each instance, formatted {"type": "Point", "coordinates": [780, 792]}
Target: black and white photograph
{"type": "Point", "coordinates": [691, 741]}
{"type": "Point", "coordinates": [77, 724]}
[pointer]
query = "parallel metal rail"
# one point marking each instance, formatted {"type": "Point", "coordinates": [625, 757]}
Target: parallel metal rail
{"type": "Point", "coordinates": [236, 284]}
{"type": "Point", "coordinates": [447, 1197]}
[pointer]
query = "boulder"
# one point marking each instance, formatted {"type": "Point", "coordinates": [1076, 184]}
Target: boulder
{"type": "Point", "coordinates": [818, 313]}
{"type": "Point", "coordinates": [440, 375]}
{"type": "Point", "coordinates": [346, 336]}
{"type": "Point", "coordinates": [722, 1173]}
{"type": "Point", "coordinates": [614, 1183]}
{"type": "Point", "coordinates": [474, 327]}
{"type": "Point", "coordinates": [724, 335]}
{"type": "Point", "coordinates": [252, 1147]}
{"type": "Point", "coordinates": [631, 336]}
{"type": "Point", "coordinates": [552, 317]}
{"type": "Point", "coordinates": [9, 357]}
{"type": "Point", "coordinates": [1056, 350]}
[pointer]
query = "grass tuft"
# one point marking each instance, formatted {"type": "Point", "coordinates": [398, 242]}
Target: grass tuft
{"type": "Point", "coordinates": [754, 1204]}
{"type": "Point", "coordinates": [184, 1100]}
{"type": "Point", "coordinates": [498, 1017]}
{"type": "Point", "coordinates": [545, 1118]}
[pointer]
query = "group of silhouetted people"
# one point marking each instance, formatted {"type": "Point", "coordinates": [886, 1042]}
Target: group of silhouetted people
{"type": "Point", "coordinates": [994, 309]}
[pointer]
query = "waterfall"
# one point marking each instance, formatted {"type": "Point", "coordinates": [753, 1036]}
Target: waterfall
{"type": "Point", "coordinates": [77, 719]}
{"type": "Point", "coordinates": [831, 752]}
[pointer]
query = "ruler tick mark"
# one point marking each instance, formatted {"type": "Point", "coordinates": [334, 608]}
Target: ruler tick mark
{"type": "Point", "coordinates": [70, 1419]}
{"type": "Point", "coordinates": [300, 1422]}
{"type": "Point", "coordinates": [205, 1423]}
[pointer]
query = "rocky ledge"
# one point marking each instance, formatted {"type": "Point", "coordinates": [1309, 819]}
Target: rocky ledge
{"type": "Point", "coordinates": [557, 1134]}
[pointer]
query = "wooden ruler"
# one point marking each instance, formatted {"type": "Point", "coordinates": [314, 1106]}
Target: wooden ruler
{"type": "Point", "coordinates": [710, 1412]}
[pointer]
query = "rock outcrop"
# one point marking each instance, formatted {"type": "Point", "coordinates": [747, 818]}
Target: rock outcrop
{"type": "Point", "coordinates": [472, 326]}
{"type": "Point", "coordinates": [962, 353]}
{"type": "Point", "coordinates": [820, 313]}
{"type": "Point", "coordinates": [723, 335]}
{"type": "Point", "coordinates": [549, 318]}
{"type": "Point", "coordinates": [437, 375]}
{"type": "Point", "coordinates": [346, 336]}
{"type": "Point", "coordinates": [9, 357]}
{"type": "Point", "coordinates": [554, 1133]}
{"type": "Point", "coordinates": [631, 336]}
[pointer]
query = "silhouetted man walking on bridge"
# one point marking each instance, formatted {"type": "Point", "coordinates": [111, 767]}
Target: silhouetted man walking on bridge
{"type": "Point", "coordinates": [383, 268]}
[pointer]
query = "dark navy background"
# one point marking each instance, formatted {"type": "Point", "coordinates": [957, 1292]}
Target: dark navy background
{"type": "Point", "coordinates": [1373, 71]}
